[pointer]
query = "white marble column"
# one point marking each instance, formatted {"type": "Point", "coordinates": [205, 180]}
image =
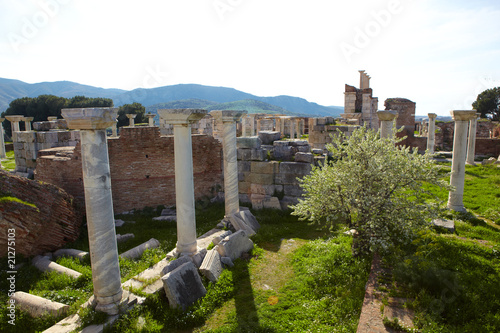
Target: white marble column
{"type": "Point", "coordinates": [14, 123]}
{"type": "Point", "coordinates": [92, 123]}
{"type": "Point", "coordinates": [282, 126]}
{"type": "Point", "coordinates": [431, 135]}
{"type": "Point", "coordinates": [258, 125]}
{"type": "Point", "coordinates": [386, 118]}
{"type": "Point", "coordinates": [229, 119]}
{"type": "Point", "coordinates": [182, 119]}
{"type": "Point", "coordinates": [461, 118]}
{"type": "Point", "coordinates": [114, 128]}
{"type": "Point", "coordinates": [131, 117]}
{"type": "Point", "coordinates": [471, 145]}
{"type": "Point", "coordinates": [2, 142]}
{"type": "Point", "coordinates": [252, 124]}
{"type": "Point", "coordinates": [151, 119]}
{"type": "Point", "coordinates": [27, 123]}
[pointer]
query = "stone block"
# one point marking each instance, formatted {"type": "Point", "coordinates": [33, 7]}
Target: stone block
{"type": "Point", "coordinates": [41, 126]}
{"type": "Point", "coordinates": [63, 136]}
{"type": "Point", "coordinates": [37, 306]}
{"type": "Point", "coordinates": [259, 178]}
{"type": "Point", "coordinates": [297, 143]}
{"type": "Point", "coordinates": [281, 143]}
{"type": "Point", "coordinates": [211, 267]}
{"type": "Point", "coordinates": [282, 153]}
{"type": "Point", "coordinates": [258, 155]}
{"type": "Point", "coordinates": [304, 158]}
{"type": "Point", "coordinates": [217, 240]}
{"type": "Point", "coordinates": [287, 178]}
{"type": "Point", "coordinates": [137, 251]}
{"type": "Point", "coordinates": [248, 142]}
{"type": "Point", "coordinates": [227, 261]}
{"type": "Point", "coordinates": [272, 203]}
{"type": "Point", "coordinates": [303, 149]}
{"type": "Point", "coordinates": [244, 154]}
{"type": "Point", "coordinates": [198, 258]}
{"type": "Point", "coordinates": [183, 286]}
{"type": "Point", "coordinates": [175, 264]}
{"type": "Point", "coordinates": [244, 198]}
{"type": "Point", "coordinates": [447, 224]}
{"type": "Point", "coordinates": [270, 167]}
{"type": "Point", "coordinates": [268, 137]}
{"type": "Point", "coordinates": [295, 168]}
{"type": "Point", "coordinates": [262, 189]}
{"type": "Point", "coordinates": [317, 151]}
{"type": "Point", "coordinates": [239, 224]}
{"type": "Point", "coordinates": [244, 187]}
{"type": "Point", "coordinates": [293, 190]}
{"type": "Point", "coordinates": [249, 219]}
{"type": "Point", "coordinates": [119, 223]}
{"type": "Point", "coordinates": [244, 166]}
{"type": "Point", "coordinates": [235, 245]}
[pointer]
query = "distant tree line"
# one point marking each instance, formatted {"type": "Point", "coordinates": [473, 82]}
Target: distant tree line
{"type": "Point", "coordinates": [44, 106]}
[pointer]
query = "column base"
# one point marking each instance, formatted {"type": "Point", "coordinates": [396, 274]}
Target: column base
{"type": "Point", "coordinates": [457, 208]}
{"type": "Point", "coordinates": [112, 305]}
{"type": "Point", "coordinates": [471, 163]}
{"type": "Point", "coordinates": [186, 249]}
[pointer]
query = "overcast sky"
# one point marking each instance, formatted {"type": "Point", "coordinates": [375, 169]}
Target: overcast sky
{"type": "Point", "coordinates": [438, 53]}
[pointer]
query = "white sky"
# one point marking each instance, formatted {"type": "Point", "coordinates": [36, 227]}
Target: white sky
{"type": "Point", "coordinates": [438, 53]}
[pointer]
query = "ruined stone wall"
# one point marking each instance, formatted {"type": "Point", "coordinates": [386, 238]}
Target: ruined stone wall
{"type": "Point", "coordinates": [142, 168]}
{"type": "Point", "coordinates": [319, 132]}
{"type": "Point", "coordinates": [406, 113]}
{"type": "Point", "coordinates": [27, 145]}
{"type": "Point", "coordinates": [444, 136]}
{"type": "Point", "coordinates": [53, 221]}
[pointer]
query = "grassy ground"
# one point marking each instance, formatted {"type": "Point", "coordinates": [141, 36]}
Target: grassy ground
{"type": "Point", "coordinates": [452, 279]}
{"type": "Point", "coordinates": [9, 164]}
{"type": "Point", "coordinates": [301, 279]}
{"type": "Point", "coordinates": [296, 280]}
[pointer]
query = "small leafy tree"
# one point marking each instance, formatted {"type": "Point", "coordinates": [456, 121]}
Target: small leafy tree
{"type": "Point", "coordinates": [374, 186]}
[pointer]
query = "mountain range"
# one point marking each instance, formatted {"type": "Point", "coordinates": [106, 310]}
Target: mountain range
{"type": "Point", "coordinates": [174, 96]}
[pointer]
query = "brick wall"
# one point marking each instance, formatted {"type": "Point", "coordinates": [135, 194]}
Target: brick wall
{"type": "Point", "coordinates": [48, 226]}
{"type": "Point", "coordinates": [142, 168]}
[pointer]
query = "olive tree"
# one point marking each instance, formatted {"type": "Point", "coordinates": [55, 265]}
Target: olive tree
{"type": "Point", "coordinates": [374, 186]}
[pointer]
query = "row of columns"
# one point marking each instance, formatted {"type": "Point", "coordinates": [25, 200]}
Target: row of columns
{"type": "Point", "coordinates": [252, 126]}
{"type": "Point", "coordinates": [92, 123]}
{"type": "Point", "coordinates": [463, 152]}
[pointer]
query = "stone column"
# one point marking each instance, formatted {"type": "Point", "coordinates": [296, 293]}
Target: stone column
{"type": "Point", "coordinates": [292, 128]}
{"type": "Point", "coordinates": [182, 119]}
{"type": "Point", "coordinates": [461, 118]}
{"type": "Point", "coordinates": [431, 136]}
{"type": "Point", "coordinates": [27, 123]}
{"type": "Point", "coordinates": [386, 118]}
{"type": "Point", "coordinates": [14, 120]}
{"type": "Point", "coordinates": [471, 146]}
{"type": "Point", "coordinates": [92, 123]}
{"type": "Point", "coordinates": [258, 125]}
{"type": "Point", "coordinates": [114, 128]}
{"type": "Point", "coordinates": [131, 117]}
{"type": "Point", "coordinates": [252, 125]}
{"type": "Point", "coordinates": [2, 142]}
{"type": "Point", "coordinates": [229, 119]}
{"type": "Point", "coordinates": [299, 131]}
{"type": "Point", "coordinates": [151, 119]}
{"type": "Point", "coordinates": [282, 126]}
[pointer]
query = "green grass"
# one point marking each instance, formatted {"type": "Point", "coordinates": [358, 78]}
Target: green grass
{"type": "Point", "coordinates": [481, 189]}
{"type": "Point", "coordinates": [73, 292]}
{"type": "Point", "coordinates": [9, 164]}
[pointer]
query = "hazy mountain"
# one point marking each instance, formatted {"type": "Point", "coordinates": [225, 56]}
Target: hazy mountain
{"type": "Point", "coordinates": [179, 94]}
{"type": "Point", "coordinates": [250, 105]}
